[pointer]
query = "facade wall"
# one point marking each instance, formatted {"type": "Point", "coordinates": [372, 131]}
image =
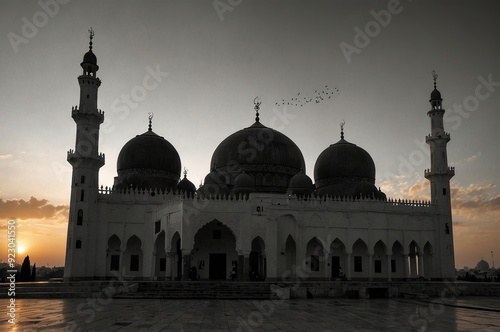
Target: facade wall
{"type": "Point", "coordinates": [268, 236]}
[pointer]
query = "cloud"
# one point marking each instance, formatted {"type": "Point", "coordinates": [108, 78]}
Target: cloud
{"type": "Point", "coordinates": [6, 156]}
{"type": "Point", "coordinates": [476, 202]}
{"type": "Point", "coordinates": [34, 208]}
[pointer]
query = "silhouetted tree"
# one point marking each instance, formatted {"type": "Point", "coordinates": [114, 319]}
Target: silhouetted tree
{"type": "Point", "coordinates": [33, 273]}
{"type": "Point", "coordinates": [25, 270]}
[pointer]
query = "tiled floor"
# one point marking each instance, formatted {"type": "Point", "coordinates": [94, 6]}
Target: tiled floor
{"type": "Point", "coordinates": [316, 315]}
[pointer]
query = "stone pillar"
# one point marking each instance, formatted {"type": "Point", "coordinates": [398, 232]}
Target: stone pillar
{"type": "Point", "coordinates": [241, 264]}
{"type": "Point", "coordinates": [406, 268]}
{"type": "Point", "coordinates": [186, 263]}
{"type": "Point", "coordinates": [349, 266]}
{"type": "Point", "coordinates": [420, 264]}
{"type": "Point", "coordinates": [413, 266]}
{"type": "Point", "coordinates": [389, 267]}
{"type": "Point", "coordinates": [246, 266]}
{"type": "Point", "coordinates": [326, 266]}
{"type": "Point", "coordinates": [370, 267]}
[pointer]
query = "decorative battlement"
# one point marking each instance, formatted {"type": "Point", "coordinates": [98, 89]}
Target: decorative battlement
{"type": "Point", "coordinates": [74, 158]}
{"type": "Point", "coordinates": [76, 112]}
{"type": "Point", "coordinates": [440, 171]}
{"type": "Point", "coordinates": [444, 135]}
{"type": "Point", "coordinates": [156, 195]}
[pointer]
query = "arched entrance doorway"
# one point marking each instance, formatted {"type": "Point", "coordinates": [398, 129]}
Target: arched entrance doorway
{"type": "Point", "coordinates": [258, 260]}
{"type": "Point", "coordinates": [337, 250]}
{"type": "Point", "coordinates": [176, 254]}
{"type": "Point", "coordinates": [214, 252]}
{"type": "Point", "coordinates": [160, 257]}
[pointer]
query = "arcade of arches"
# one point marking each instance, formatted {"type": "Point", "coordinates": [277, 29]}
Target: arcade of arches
{"type": "Point", "coordinates": [214, 256]}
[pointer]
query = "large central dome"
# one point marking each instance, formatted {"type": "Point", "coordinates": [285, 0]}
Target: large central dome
{"type": "Point", "coordinates": [265, 154]}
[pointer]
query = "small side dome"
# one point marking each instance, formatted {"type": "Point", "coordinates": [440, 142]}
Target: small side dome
{"type": "Point", "coordinates": [215, 184]}
{"type": "Point", "coordinates": [185, 186]}
{"type": "Point", "coordinates": [90, 57]}
{"type": "Point", "coordinates": [483, 265]}
{"type": "Point", "coordinates": [301, 184]}
{"type": "Point", "coordinates": [243, 184]}
{"type": "Point", "coordinates": [435, 95]}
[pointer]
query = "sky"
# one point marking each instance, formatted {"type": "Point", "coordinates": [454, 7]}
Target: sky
{"type": "Point", "coordinates": [212, 58]}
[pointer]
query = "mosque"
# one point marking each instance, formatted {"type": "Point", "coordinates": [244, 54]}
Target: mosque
{"type": "Point", "coordinates": [257, 216]}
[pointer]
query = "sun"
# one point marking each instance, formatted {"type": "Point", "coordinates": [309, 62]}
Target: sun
{"type": "Point", "coordinates": [21, 249]}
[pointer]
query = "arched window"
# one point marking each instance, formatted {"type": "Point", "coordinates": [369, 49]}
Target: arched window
{"type": "Point", "coordinates": [78, 244]}
{"type": "Point", "coordinates": [82, 195]}
{"type": "Point", "coordinates": [79, 219]}
{"type": "Point", "coordinates": [82, 179]}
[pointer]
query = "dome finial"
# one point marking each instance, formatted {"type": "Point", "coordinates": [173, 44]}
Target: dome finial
{"type": "Point", "coordinates": [150, 117]}
{"type": "Point", "coordinates": [185, 172]}
{"type": "Point", "coordinates": [434, 76]}
{"type": "Point", "coordinates": [256, 107]}
{"type": "Point", "coordinates": [91, 32]}
{"type": "Point", "coordinates": [342, 129]}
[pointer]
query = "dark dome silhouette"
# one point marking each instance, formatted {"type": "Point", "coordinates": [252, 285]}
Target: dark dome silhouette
{"type": "Point", "coordinates": [341, 168]}
{"type": "Point", "coordinates": [90, 57]}
{"type": "Point", "coordinates": [243, 184]}
{"type": "Point", "coordinates": [148, 161]}
{"type": "Point", "coordinates": [436, 95]}
{"type": "Point", "coordinates": [301, 185]}
{"type": "Point", "coordinates": [185, 186]}
{"type": "Point", "coordinates": [265, 154]}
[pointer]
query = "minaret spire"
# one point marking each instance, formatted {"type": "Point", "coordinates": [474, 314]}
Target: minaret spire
{"type": "Point", "coordinates": [256, 107]}
{"type": "Point", "coordinates": [150, 117]}
{"type": "Point", "coordinates": [434, 76]}
{"type": "Point", "coordinates": [91, 32]}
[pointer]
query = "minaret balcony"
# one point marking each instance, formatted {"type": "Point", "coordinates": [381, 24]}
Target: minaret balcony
{"type": "Point", "coordinates": [440, 136]}
{"type": "Point", "coordinates": [450, 171]}
{"type": "Point", "coordinates": [76, 114]}
{"type": "Point", "coordinates": [76, 158]}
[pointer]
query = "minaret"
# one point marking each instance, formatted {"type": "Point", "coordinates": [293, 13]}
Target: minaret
{"type": "Point", "coordinates": [86, 162]}
{"type": "Point", "coordinates": [439, 176]}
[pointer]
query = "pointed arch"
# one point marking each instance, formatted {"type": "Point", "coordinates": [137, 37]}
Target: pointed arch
{"type": "Point", "coordinates": [413, 259]}
{"type": "Point", "coordinates": [160, 256]}
{"type": "Point", "coordinates": [176, 253]}
{"type": "Point", "coordinates": [360, 259]}
{"type": "Point", "coordinates": [113, 254]}
{"type": "Point", "coordinates": [338, 264]}
{"type": "Point", "coordinates": [315, 256]}
{"type": "Point", "coordinates": [380, 262]}
{"type": "Point", "coordinates": [428, 254]}
{"type": "Point", "coordinates": [214, 252]}
{"type": "Point", "coordinates": [398, 261]}
{"type": "Point", "coordinates": [133, 256]}
{"type": "Point", "coordinates": [257, 259]}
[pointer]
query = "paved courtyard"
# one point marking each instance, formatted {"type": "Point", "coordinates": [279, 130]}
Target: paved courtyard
{"type": "Point", "coordinates": [103, 314]}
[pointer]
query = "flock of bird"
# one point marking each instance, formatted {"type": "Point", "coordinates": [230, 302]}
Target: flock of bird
{"type": "Point", "coordinates": [300, 100]}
